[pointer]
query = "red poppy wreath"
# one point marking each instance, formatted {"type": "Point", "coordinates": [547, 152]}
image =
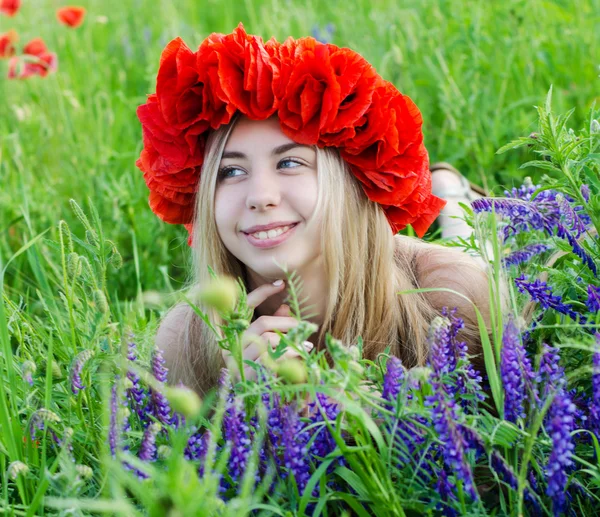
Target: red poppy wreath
{"type": "Point", "coordinates": [323, 95]}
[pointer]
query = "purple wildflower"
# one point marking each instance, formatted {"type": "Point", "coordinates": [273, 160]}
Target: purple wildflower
{"type": "Point", "coordinates": [445, 418]}
{"type": "Point", "coordinates": [274, 420]}
{"type": "Point", "coordinates": [393, 379]}
{"type": "Point", "coordinates": [593, 300]}
{"type": "Point", "coordinates": [238, 436]}
{"type": "Point", "coordinates": [540, 292]}
{"type": "Point", "coordinates": [445, 487]}
{"type": "Point", "coordinates": [136, 394]}
{"type": "Point", "coordinates": [78, 364]}
{"type": "Point", "coordinates": [516, 372]}
{"type": "Point", "coordinates": [28, 369]}
{"type": "Point", "coordinates": [571, 219]}
{"type": "Point", "coordinates": [550, 375]}
{"type": "Point", "coordinates": [197, 445]}
{"type": "Point", "coordinates": [442, 357]}
{"type": "Point", "coordinates": [160, 406]}
{"type": "Point", "coordinates": [525, 254]}
{"type": "Point", "coordinates": [563, 233]}
{"type": "Point", "coordinates": [560, 425]}
{"type": "Point", "coordinates": [148, 445]}
{"type": "Point", "coordinates": [585, 192]}
{"type": "Point", "coordinates": [324, 442]}
{"type": "Point", "coordinates": [294, 441]}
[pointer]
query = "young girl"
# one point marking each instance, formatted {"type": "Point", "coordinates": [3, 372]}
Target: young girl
{"type": "Point", "coordinates": [299, 155]}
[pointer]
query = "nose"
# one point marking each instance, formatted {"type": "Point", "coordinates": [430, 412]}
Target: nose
{"type": "Point", "coordinates": [263, 191]}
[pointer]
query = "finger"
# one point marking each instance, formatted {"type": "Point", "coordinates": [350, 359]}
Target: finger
{"type": "Point", "coordinates": [284, 310]}
{"type": "Point", "coordinates": [271, 323]}
{"type": "Point", "coordinates": [261, 293]}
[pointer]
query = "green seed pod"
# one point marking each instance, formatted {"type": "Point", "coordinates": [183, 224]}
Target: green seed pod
{"type": "Point", "coordinates": [84, 472]}
{"type": "Point", "coordinates": [74, 266]}
{"type": "Point", "coordinates": [221, 293]}
{"type": "Point", "coordinates": [292, 370]}
{"type": "Point", "coordinates": [100, 301]}
{"type": "Point", "coordinates": [56, 370]}
{"type": "Point", "coordinates": [65, 236]}
{"type": "Point", "coordinates": [184, 401]}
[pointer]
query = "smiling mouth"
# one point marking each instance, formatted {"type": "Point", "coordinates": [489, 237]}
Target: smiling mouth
{"type": "Point", "coordinates": [269, 242]}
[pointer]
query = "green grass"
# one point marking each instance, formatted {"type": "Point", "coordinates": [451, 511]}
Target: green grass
{"type": "Point", "coordinates": [475, 69]}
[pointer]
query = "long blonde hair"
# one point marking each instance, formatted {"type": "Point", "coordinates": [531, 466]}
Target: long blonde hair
{"type": "Point", "coordinates": [365, 264]}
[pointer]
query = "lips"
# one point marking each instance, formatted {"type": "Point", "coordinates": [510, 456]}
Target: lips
{"type": "Point", "coordinates": [270, 243]}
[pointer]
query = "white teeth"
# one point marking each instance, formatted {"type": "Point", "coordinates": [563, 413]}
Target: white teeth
{"type": "Point", "coordinates": [271, 234]}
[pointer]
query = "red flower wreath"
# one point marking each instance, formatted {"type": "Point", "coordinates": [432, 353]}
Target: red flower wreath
{"type": "Point", "coordinates": [323, 95]}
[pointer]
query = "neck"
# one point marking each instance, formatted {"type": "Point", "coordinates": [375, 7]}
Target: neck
{"type": "Point", "coordinates": [314, 290]}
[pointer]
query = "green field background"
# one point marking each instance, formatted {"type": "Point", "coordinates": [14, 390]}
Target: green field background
{"type": "Point", "coordinates": [476, 69]}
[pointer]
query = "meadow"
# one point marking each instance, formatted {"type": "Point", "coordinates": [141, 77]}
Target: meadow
{"type": "Point", "coordinates": [86, 270]}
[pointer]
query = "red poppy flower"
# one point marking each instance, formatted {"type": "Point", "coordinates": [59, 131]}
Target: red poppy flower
{"type": "Point", "coordinates": [71, 16]}
{"type": "Point", "coordinates": [7, 40]}
{"type": "Point", "coordinates": [171, 161]}
{"type": "Point", "coordinates": [36, 60]}
{"type": "Point", "coordinates": [9, 7]}
{"type": "Point", "coordinates": [181, 92]}
{"type": "Point", "coordinates": [243, 68]}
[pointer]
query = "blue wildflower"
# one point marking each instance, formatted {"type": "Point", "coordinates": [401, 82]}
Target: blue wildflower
{"type": "Point", "coordinates": [540, 292]}
{"type": "Point", "coordinates": [441, 355]}
{"type": "Point", "coordinates": [525, 254]}
{"type": "Point", "coordinates": [550, 375]}
{"type": "Point", "coordinates": [136, 394]}
{"type": "Point", "coordinates": [585, 192]}
{"type": "Point", "coordinates": [160, 406]}
{"type": "Point", "coordinates": [559, 427]}
{"type": "Point", "coordinates": [238, 436]}
{"type": "Point", "coordinates": [148, 446]}
{"type": "Point", "coordinates": [294, 442]}
{"type": "Point", "coordinates": [78, 363]}
{"type": "Point", "coordinates": [516, 372]}
{"type": "Point", "coordinates": [446, 488]}
{"type": "Point", "coordinates": [595, 402]}
{"type": "Point", "coordinates": [393, 379]}
{"type": "Point", "coordinates": [593, 300]}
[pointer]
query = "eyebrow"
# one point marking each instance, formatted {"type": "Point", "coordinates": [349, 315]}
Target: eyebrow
{"type": "Point", "coordinates": [276, 151]}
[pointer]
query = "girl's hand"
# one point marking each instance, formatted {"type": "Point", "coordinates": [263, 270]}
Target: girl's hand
{"type": "Point", "coordinates": [260, 334]}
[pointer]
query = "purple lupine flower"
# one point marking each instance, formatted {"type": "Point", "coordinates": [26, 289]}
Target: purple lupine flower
{"type": "Point", "coordinates": [550, 375]}
{"type": "Point", "coordinates": [294, 442]}
{"type": "Point", "coordinates": [595, 403]}
{"type": "Point", "coordinates": [516, 372]}
{"type": "Point", "coordinates": [237, 435]}
{"type": "Point", "coordinates": [196, 445]}
{"type": "Point", "coordinates": [593, 300]}
{"type": "Point", "coordinates": [274, 421]}
{"type": "Point", "coordinates": [393, 379]}
{"type": "Point", "coordinates": [324, 442]}
{"type": "Point", "coordinates": [470, 381]}
{"type": "Point", "coordinates": [76, 369]}
{"type": "Point", "coordinates": [571, 219]}
{"type": "Point", "coordinates": [148, 445]}
{"type": "Point", "coordinates": [445, 487]}
{"type": "Point", "coordinates": [445, 419]}
{"type": "Point", "coordinates": [540, 292]}
{"type": "Point", "coordinates": [585, 192]}
{"type": "Point", "coordinates": [525, 254]}
{"type": "Point", "coordinates": [160, 406]}
{"type": "Point", "coordinates": [441, 355]}
{"type": "Point", "coordinates": [560, 424]}
{"type": "Point", "coordinates": [136, 394]}
{"type": "Point", "coordinates": [563, 233]}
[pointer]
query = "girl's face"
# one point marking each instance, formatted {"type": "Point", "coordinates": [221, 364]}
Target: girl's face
{"type": "Point", "coordinates": [265, 178]}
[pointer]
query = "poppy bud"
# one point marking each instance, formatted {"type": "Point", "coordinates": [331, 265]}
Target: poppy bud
{"type": "Point", "coordinates": [184, 400]}
{"type": "Point", "coordinates": [239, 324]}
{"type": "Point", "coordinates": [292, 370]}
{"type": "Point", "coordinates": [220, 293]}
{"type": "Point", "coordinates": [100, 301]}
{"type": "Point", "coordinates": [74, 266]}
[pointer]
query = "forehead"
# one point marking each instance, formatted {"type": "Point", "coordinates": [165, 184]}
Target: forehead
{"type": "Point", "coordinates": [250, 134]}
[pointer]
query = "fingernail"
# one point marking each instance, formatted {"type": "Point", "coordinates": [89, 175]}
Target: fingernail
{"type": "Point", "coordinates": [308, 345]}
{"type": "Point", "coordinates": [278, 282]}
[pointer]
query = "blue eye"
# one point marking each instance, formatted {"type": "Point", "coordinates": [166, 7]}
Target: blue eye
{"type": "Point", "coordinates": [224, 172]}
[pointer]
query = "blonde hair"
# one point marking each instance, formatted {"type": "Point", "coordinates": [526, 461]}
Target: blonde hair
{"type": "Point", "coordinates": [365, 264]}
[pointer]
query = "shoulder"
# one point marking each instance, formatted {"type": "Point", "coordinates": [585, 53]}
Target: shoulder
{"type": "Point", "coordinates": [437, 266]}
{"type": "Point", "coordinates": [168, 336]}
